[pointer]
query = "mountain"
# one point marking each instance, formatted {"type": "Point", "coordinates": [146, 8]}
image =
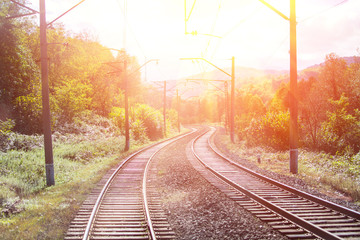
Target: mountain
{"type": "Point", "coordinates": [196, 85]}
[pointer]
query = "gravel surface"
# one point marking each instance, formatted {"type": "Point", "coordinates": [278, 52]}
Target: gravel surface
{"type": "Point", "coordinates": [195, 208]}
{"type": "Point", "coordinates": [289, 180]}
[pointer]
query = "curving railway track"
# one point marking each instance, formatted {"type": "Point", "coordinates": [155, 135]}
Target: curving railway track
{"type": "Point", "coordinates": [122, 206]}
{"type": "Point", "coordinates": [295, 214]}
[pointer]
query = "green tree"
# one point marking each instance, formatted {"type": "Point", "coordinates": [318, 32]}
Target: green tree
{"type": "Point", "coordinates": [333, 76]}
{"type": "Point", "coordinates": [271, 130]}
{"type": "Point", "coordinates": [280, 101]}
{"type": "Point", "coordinates": [72, 98]}
{"type": "Point", "coordinates": [151, 118]}
{"type": "Point", "coordinates": [341, 131]}
{"type": "Point", "coordinates": [17, 66]}
{"type": "Point", "coordinates": [249, 104]}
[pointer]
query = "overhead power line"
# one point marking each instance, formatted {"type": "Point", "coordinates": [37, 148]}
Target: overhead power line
{"type": "Point", "coordinates": [323, 11]}
{"type": "Point", "coordinates": [131, 30]}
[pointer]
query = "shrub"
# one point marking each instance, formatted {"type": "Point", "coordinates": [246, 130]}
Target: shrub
{"type": "Point", "coordinates": [151, 118]}
{"type": "Point", "coordinates": [118, 117]}
{"type": "Point", "coordinates": [242, 123]}
{"type": "Point", "coordinates": [138, 130]}
{"type": "Point", "coordinates": [28, 114]}
{"type": "Point", "coordinates": [340, 134]}
{"type": "Point", "coordinates": [6, 126]}
{"type": "Point", "coordinates": [270, 130]}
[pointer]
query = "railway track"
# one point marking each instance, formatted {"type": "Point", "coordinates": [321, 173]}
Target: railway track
{"type": "Point", "coordinates": [122, 206]}
{"type": "Point", "coordinates": [294, 213]}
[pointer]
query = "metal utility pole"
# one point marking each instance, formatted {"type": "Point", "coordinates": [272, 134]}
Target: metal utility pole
{"type": "Point", "coordinates": [49, 161]}
{"type": "Point", "coordinates": [178, 108]}
{"type": "Point", "coordinates": [126, 96]}
{"type": "Point", "coordinates": [232, 100]}
{"type": "Point", "coordinates": [293, 92]}
{"type": "Point", "coordinates": [164, 109]}
{"type": "Point", "coordinates": [226, 107]}
{"type": "Point", "coordinates": [127, 125]}
{"type": "Point", "coordinates": [232, 90]}
{"type": "Point", "coordinates": [294, 138]}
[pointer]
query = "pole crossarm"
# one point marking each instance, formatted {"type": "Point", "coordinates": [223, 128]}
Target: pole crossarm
{"type": "Point", "coordinates": [151, 60]}
{"type": "Point", "coordinates": [49, 24]}
{"type": "Point", "coordinates": [206, 80]}
{"type": "Point", "coordinates": [275, 10]}
{"type": "Point", "coordinates": [33, 11]}
{"type": "Point", "coordinates": [209, 81]}
{"type": "Point", "coordinates": [208, 63]}
{"type": "Point", "coordinates": [24, 6]}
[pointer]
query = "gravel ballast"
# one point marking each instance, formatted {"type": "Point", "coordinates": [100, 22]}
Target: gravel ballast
{"type": "Point", "coordinates": [196, 209]}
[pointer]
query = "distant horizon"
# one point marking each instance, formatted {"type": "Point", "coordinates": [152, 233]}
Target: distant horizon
{"type": "Point", "coordinates": [248, 30]}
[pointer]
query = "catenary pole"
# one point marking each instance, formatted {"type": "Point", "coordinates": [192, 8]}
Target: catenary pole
{"type": "Point", "coordinates": [227, 115]}
{"type": "Point", "coordinates": [49, 161]}
{"type": "Point", "coordinates": [293, 92]}
{"type": "Point", "coordinates": [164, 113]}
{"type": "Point", "coordinates": [232, 91]}
{"type": "Point", "coordinates": [232, 99]}
{"type": "Point", "coordinates": [126, 95]}
{"type": "Point", "coordinates": [178, 109]}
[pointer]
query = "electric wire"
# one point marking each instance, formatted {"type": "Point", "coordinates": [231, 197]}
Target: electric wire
{"type": "Point", "coordinates": [286, 38]}
{"type": "Point", "coordinates": [323, 11]}
{"type": "Point", "coordinates": [242, 21]}
{"type": "Point", "coordinates": [192, 8]}
{"type": "Point", "coordinates": [131, 30]}
{"type": "Point", "coordinates": [213, 27]}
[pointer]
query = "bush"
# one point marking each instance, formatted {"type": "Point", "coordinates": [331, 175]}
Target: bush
{"type": "Point", "coordinates": [143, 118]}
{"type": "Point", "coordinates": [270, 130]}
{"type": "Point", "coordinates": [118, 117]}
{"type": "Point", "coordinates": [138, 130]}
{"type": "Point", "coordinates": [6, 126]}
{"type": "Point", "coordinates": [28, 114]}
{"type": "Point", "coordinates": [340, 134]}
{"type": "Point", "coordinates": [242, 123]}
{"type": "Point", "coordinates": [151, 118]}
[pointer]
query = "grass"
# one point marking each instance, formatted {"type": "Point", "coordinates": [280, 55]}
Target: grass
{"type": "Point", "coordinates": [29, 209]}
{"type": "Point", "coordinates": [336, 176]}
{"type": "Point", "coordinates": [45, 213]}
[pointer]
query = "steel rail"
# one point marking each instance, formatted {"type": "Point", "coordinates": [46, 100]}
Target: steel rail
{"type": "Point", "coordinates": [291, 217]}
{"type": "Point", "coordinates": [90, 222]}
{"type": "Point", "coordinates": [323, 202]}
{"type": "Point", "coordinates": [144, 192]}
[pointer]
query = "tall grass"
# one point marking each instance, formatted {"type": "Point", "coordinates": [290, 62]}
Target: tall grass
{"type": "Point", "coordinates": [83, 153]}
{"type": "Point", "coordinates": [341, 173]}
{"type": "Point", "coordinates": [29, 209]}
{"type": "Point", "coordinates": [45, 213]}
{"type": "Point", "coordinates": [325, 172]}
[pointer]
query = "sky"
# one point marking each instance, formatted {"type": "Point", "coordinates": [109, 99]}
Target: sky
{"type": "Point", "coordinates": [255, 35]}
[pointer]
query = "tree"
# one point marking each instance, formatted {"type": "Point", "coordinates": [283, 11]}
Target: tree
{"type": "Point", "coordinates": [312, 111]}
{"type": "Point", "coordinates": [341, 133]}
{"type": "Point", "coordinates": [18, 70]}
{"type": "Point", "coordinates": [249, 104]}
{"type": "Point", "coordinates": [333, 76]}
{"type": "Point", "coordinates": [280, 101]}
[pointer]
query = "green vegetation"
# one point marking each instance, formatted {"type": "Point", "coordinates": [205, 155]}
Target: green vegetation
{"type": "Point", "coordinates": [329, 118]}
{"type": "Point", "coordinates": [336, 176]}
{"type": "Point", "coordinates": [87, 85]}
{"type": "Point", "coordinates": [29, 209]}
{"type": "Point", "coordinates": [86, 82]}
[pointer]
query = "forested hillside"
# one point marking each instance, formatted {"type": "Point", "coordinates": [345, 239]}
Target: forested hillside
{"type": "Point", "coordinates": [329, 103]}
{"type": "Point", "coordinates": [84, 77]}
